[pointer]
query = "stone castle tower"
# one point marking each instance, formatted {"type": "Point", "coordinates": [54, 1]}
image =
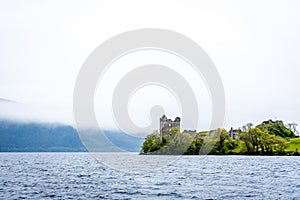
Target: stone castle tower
{"type": "Point", "coordinates": [166, 124]}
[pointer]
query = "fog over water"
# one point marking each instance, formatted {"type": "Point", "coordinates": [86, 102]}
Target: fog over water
{"type": "Point", "coordinates": [254, 44]}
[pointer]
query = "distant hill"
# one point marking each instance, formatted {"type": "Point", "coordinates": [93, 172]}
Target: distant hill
{"type": "Point", "coordinates": [42, 137]}
{"type": "Point", "coordinates": [277, 128]}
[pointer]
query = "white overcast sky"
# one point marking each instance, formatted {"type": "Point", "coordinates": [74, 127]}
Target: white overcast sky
{"type": "Point", "coordinates": [255, 45]}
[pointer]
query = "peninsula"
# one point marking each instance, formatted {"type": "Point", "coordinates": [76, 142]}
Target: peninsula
{"type": "Point", "coordinates": [268, 138]}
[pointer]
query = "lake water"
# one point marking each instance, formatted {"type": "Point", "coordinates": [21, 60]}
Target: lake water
{"type": "Point", "coordinates": [81, 176]}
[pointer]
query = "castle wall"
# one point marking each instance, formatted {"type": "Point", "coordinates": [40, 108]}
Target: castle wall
{"type": "Point", "coordinates": [166, 124]}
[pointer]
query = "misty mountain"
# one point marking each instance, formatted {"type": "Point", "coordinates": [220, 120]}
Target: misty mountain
{"type": "Point", "coordinates": [43, 137]}
{"type": "Point", "coordinates": [2, 100]}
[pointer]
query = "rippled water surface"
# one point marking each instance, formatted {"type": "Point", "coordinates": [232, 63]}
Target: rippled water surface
{"type": "Point", "coordinates": [80, 176]}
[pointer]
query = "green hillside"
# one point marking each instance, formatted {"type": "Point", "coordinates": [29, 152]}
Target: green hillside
{"type": "Point", "coordinates": [294, 145]}
{"type": "Point", "coordinates": [268, 138]}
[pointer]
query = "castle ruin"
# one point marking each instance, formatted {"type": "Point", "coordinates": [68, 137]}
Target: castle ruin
{"type": "Point", "coordinates": [166, 124]}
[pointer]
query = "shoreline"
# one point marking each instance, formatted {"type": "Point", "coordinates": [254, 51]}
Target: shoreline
{"type": "Point", "coordinates": [135, 153]}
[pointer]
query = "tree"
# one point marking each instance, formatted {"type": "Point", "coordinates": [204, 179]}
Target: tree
{"type": "Point", "coordinates": [246, 127]}
{"type": "Point", "coordinates": [280, 144]}
{"type": "Point", "coordinates": [152, 143]}
{"type": "Point", "coordinates": [249, 125]}
{"type": "Point", "coordinates": [194, 148]}
{"type": "Point", "coordinates": [265, 141]}
{"type": "Point", "coordinates": [276, 128]}
{"type": "Point", "coordinates": [174, 131]}
{"type": "Point", "coordinates": [245, 136]}
{"type": "Point", "coordinates": [223, 136]}
{"type": "Point", "coordinates": [178, 143]}
{"type": "Point", "coordinates": [259, 140]}
{"type": "Point", "coordinates": [255, 137]}
{"type": "Point", "coordinates": [293, 127]}
{"type": "Point", "coordinates": [252, 139]}
{"type": "Point", "coordinates": [231, 144]}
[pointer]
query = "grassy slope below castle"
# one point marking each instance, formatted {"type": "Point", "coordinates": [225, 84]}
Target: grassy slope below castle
{"type": "Point", "coordinates": [293, 145]}
{"type": "Point", "coordinates": [267, 138]}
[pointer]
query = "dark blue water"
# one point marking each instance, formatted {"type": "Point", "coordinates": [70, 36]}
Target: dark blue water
{"type": "Point", "coordinates": [80, 176]}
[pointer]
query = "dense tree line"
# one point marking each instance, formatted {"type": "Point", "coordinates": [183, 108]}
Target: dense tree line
{"type": "Point", "coordinates": [266, 138]}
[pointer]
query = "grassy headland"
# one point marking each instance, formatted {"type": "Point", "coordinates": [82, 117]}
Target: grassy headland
{"type": "Point", "coordinates": [268, 138]}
